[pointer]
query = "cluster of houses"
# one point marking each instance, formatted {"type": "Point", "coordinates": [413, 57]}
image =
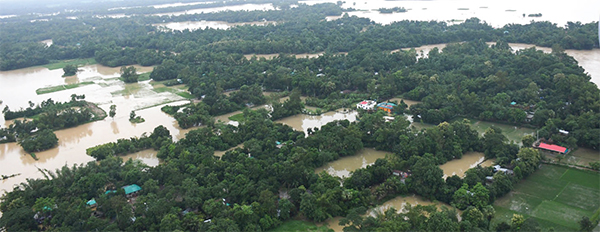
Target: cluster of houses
{"type": "Point", "coordinates": [372, 105]}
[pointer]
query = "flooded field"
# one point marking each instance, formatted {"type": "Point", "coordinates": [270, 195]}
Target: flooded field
{"type": "Point", "coordinates": [302, 122]}
{"type": "Point", "coordinates": [495, 13]}
{"type": "Point", "coordinates": [460, 166]}
{"type": "Point", "coordinates": [18, 87]}
{"type": "Point", "coordinates": [246, 7]}
{"type": "Point", "coordinates": [195, 25]}
{"type": "Point", "coordinates": [343, 166]}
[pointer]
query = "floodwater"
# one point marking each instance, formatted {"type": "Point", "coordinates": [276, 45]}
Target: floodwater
{"type": "Point", "coordinates": [399, 203]}
{"type": "Point", "coordinates": [512, 133]}
{"type": "Point", "coordinates": [245, 7]}
{"type": "Point", "coordinates": [301, 122]}
{"type": "Point", "coordinates": [408, 102]}
{"type": "Point", "coordinates": [588, 59]}
{"type": "Point", "coordinates": [147, 156]}
{"type": "Point", "coordinates": [460, 166]}
{"type": "Point", "coordinates": [495, 13]}
{"type": "Point", "coordinates": [18, 87]}
{"type": "Point", "coordinates": [180, 4]}
{"type": "Point", "coordinates": [271, 56]}
{"type": "Point", "coordinates": [343, 166]}
{"type": "Point", "coordinates": [195, 25]}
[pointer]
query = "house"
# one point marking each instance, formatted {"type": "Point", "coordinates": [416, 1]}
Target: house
{"type": "Point", "coordinates": [92, 204]}
{"type": "Point", "coordinates": [366, 105]}
{"type": "Point", "coordinates": [529, 116]}
{"type": "Point", "coordinates": [563, 132]}
{"type": "Point", "coordinates": [401, 174]}
{"type": "Point", "coordinates": [386, 106]}
{"type": "Point", "coordinates": [553, 148]}
{"type": "Point", "coordinates": [388, 118]}
{"type": "Point", "coordinates": [132, 190]}
{"type": "Point", "coordinates": [498, 168]}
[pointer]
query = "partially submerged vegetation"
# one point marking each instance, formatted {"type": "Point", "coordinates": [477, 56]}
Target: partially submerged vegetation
{"type": "Point", "coordinates": [271, 179]}
{"type": "Point", "coordinates": [37, 134]}
{"type": "Point", "coordinates": [57, 88]}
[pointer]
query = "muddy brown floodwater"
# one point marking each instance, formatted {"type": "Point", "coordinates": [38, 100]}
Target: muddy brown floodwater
{"type": "Point", "coordinates": [468, 160]}
{"type": "Point", "coordinates": [18, 87]}
{"type": "Point", "coordinates": [345, 165]}
{"type": "Point", "coordinates": [302, 122]}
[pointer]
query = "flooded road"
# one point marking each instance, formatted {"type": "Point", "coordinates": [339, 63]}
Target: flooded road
{"type": "Point", "coordinates": [460, 166]}
{"type": "Point", "coordinates": [343, 166]}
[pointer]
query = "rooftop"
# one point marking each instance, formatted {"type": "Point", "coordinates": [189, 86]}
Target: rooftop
{"type": "Point", "coordinates": [552, 147]}
{"type": "Point", "coordinates": [132, 188]}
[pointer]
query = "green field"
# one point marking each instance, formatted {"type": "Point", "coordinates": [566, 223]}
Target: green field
{"type": "Point", "coordinates": [555, 196]}
{"type": "Point", "coordinates": [296, 225]}
{"type": "Point", "coordinates": [62, 63]}
{"type": "Point", "coordinates": [61, 87]}
{"type": "Point", "coordinates": [238, 117]}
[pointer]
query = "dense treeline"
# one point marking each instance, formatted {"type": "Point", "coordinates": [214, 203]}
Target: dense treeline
{"type": "Point", "coordinates": [242, 190]}
{"type": "Point", "coordinates": [159, 137]}
{"type": "Point", "coordinates": [124, 41]}
{"type": "Point", "coordinates": [36, 134]}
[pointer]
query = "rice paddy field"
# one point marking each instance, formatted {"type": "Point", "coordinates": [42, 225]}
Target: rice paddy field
{"type": "Point", "coordinates": [557, 197]}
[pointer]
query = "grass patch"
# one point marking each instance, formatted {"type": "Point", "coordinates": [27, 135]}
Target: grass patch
{"type": "Point", "coordinates": [556, 196]}
{"type": "Point", "coordinates": [181, 93]}
{"type": "Point", "coordinates": [52, 89]}
{"type": "Point", "coordinates": [560, 214]}
{"type": "Point", "coordinates": [238, 117]}
{"type": "Point", "coordinates": [144, 76]}
{"type": "Point", "coordinates": [296, 225]}
{"type": "Point", "coordinates": [58, 64]}
{"type": "Point", "coordinates": [585, 178]}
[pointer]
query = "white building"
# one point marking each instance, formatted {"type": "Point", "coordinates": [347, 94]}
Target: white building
{"type": "Point", "coordinates": [366, 105]}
